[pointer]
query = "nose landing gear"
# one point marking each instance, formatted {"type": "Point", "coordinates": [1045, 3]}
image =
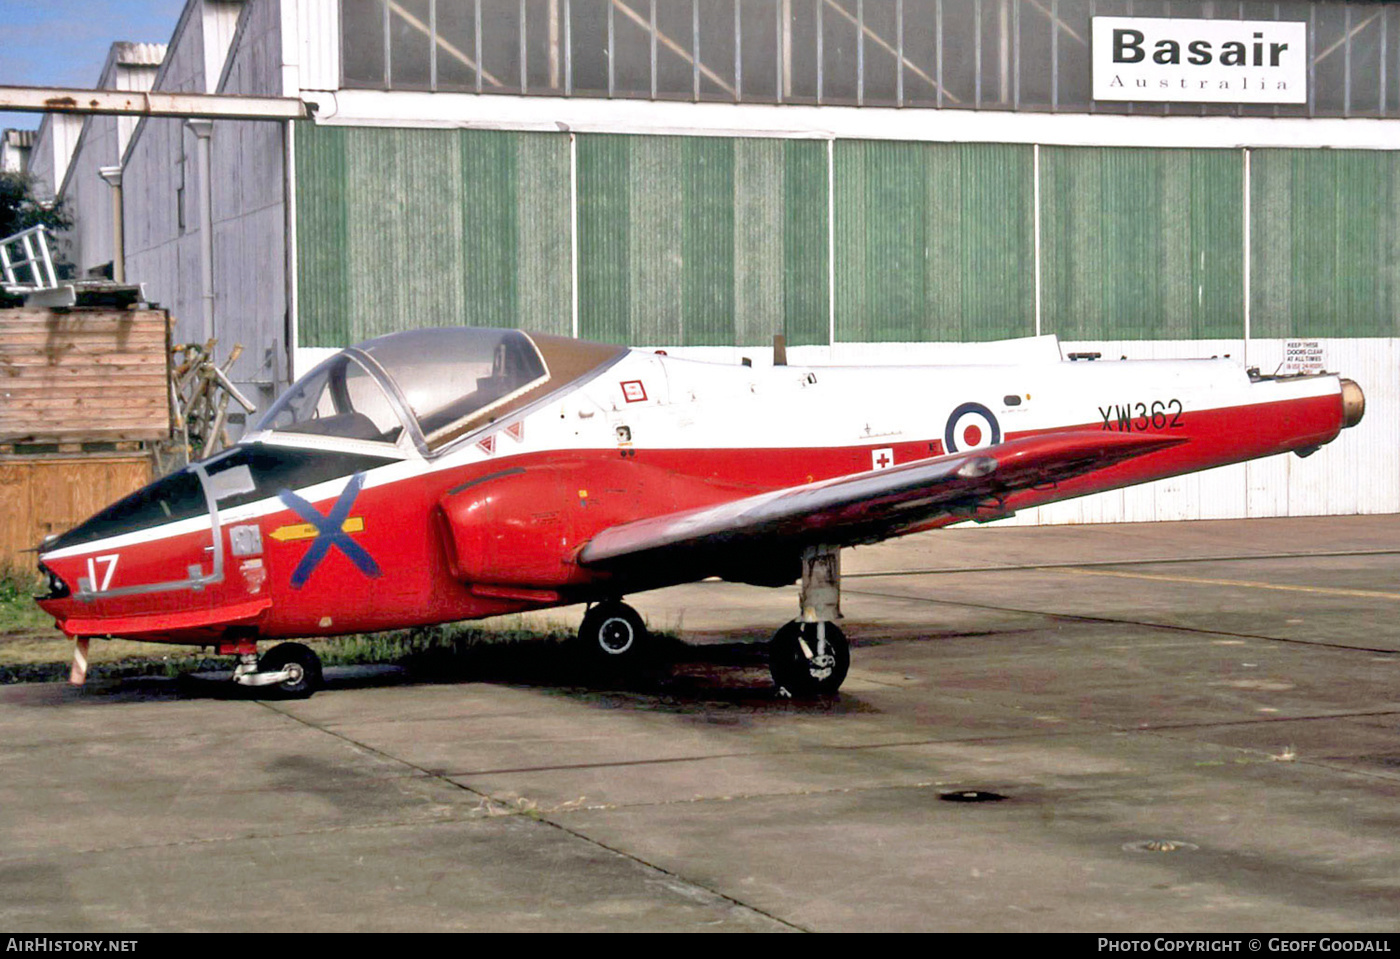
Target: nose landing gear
{"type": "Point", "coordinates": [293, 668]}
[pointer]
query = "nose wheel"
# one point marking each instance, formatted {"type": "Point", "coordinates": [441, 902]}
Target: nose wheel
{"type": "Point", "coordinates": [293, 669]}
{"type": "Point", "coordinates": [809, 659]}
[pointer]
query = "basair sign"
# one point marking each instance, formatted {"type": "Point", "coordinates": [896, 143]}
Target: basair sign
{"type": "Point", "coordinates": [1200, 61]}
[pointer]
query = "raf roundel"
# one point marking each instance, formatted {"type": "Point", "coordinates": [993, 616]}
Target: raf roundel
{"type": "Point", "coordinates": [971, 427]}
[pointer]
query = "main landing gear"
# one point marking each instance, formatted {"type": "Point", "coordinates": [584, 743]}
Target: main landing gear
{"type": "Point", "coordinates": [294, 669]}
{"type": "Point", "coordinates": [810, 656]}
{"type": "Point", "coordinates": [613, 635]}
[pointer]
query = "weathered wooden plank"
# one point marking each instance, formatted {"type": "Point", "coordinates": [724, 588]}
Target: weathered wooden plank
{"type": "Point", "coordinates": [79, 345]}
{"type": "Point", "coordinates": [76, 375]}
{"type": "Point", "coordinates": [57, 338]}
{"type": "Point", "coordinates": [147, 428]}
{"type": "Point", "coordinates": [35, 361]}
{"type": "Point", "coordinates": [140, 382]}
{"type": "Point", "coordinates": [39, 497]}
{"type": "Point", "coordinates": [58, 323]}
{"type": "Point", "coordinates": [81, 400]}
{"type": "Point", "coordinates": [59, 331]}
{"type": "Point", "coordinates": [113, 434]}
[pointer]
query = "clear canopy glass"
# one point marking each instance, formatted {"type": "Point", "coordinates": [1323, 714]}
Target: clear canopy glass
{"type": "Point", "coordinates": [451, 378]}
{"type": "Point", "coordinates": [439, 383]}
{"type": "Point", "coordinates": [341, 397]}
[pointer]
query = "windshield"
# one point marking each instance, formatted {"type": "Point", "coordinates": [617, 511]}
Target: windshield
{"type": "Point", "coordinates": [338, 398]}
{"type": "Point", "coordinates": [243, 474]}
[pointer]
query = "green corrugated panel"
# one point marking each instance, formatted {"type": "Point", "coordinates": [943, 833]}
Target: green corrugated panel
{"type": "Point", "coordinates": [604, 218]}
{"type": "Point", "coordinates": [404, 242]}
{"type": "Point", "coordinates": [1324, 243]}
{"type": "Point", "coordinates": [757, 216]}
{"type": "Point", "coordinates": [656, 241]}
{"type": "Point", "coordinates": [543, 237]}
{"type": "Point", "coordinates": [710, 306]}
{"type": "Point", "coordinates": [806, 243]}
{"type": "Point", "coordinates": [408, 228]}
{"type": "Point", "coordinates": [699, 240]}
{"type": "Point", "coordinates": [1142, 244]}
{"type": "Point", "coordinates": [323, 285]}
{"type": "Point", "coordinates": [933, 241]}
{"type": "Point", "coordinates": [487, 233]}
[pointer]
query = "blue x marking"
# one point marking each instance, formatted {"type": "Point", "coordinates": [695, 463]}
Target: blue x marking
{"type": "Point", "coordinates": [329, 532]}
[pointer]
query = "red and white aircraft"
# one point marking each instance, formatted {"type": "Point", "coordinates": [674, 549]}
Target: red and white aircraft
{"type": "Point", "coordinates": [449, 474]}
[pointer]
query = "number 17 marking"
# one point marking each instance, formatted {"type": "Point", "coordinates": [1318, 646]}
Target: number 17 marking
{"type": "Point", "coordinates": [111, 560]}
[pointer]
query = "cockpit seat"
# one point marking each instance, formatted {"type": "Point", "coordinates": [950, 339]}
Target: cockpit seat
{"type": "Point", "coordinates": [352, 425]}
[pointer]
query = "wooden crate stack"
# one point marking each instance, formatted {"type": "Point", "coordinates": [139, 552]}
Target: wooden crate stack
{"type": "Point", "coordinates": [84, 396]}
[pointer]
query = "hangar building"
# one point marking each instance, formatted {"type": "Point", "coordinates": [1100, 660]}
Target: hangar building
{"type": "Point", "coordinates": [878, 180]}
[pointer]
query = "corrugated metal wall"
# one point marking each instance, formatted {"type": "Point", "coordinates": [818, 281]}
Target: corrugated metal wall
{"type": "Point", "coordinates": [701, 240]}
{"type": "Point", "coordinates": [714, 241]}
{"type": "Point", "coordinates": [409, 228]}
{"type": "Point", "coordinates": [1325, 243]}
{"type": "Point", "coordinates": [933, 241]}
{"type": "Point", "coordinates": [682, 240]}
{"type": "Point", "coordinates": [1142, 244]}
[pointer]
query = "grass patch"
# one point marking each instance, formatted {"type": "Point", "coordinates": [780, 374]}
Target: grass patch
{"type": "Point", "coordinates": [18, 611]}
{"type": "Point", "coordinates": [450, 650]}
{"type": "Point", "coordinates": [524, 647]}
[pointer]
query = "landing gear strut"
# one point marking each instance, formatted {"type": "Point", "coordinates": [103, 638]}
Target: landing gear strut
{"type": "Point", "coordinates": [810, 656]}
{"type": "Point", "coordinates": [293, 668]}
{"type": "Point", "coordinates": [612, 634]}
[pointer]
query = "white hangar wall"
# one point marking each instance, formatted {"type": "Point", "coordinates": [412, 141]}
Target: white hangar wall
{"type": "Point", "coordinates": [234, 48]}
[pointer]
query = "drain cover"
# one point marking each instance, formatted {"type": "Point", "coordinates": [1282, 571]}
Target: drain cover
{"type": "Point", "coordinates": [971, 795]}
{"type": "Point", "coordinates": [1160, 845]}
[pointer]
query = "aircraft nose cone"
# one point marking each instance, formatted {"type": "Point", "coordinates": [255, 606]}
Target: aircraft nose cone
{"type": "Point", "coordinates": [1353, 404]}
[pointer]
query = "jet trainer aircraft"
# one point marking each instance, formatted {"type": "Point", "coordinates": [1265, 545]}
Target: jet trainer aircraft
{"type": "Point", "coordinates": [449, 474]}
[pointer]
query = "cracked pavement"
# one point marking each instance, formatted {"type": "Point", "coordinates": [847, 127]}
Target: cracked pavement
{"type": "Point", "coordinates": [1220, 686]}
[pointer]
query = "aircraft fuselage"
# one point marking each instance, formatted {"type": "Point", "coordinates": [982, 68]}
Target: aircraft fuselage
{"type": "Point", "coordinates": [299, 535]}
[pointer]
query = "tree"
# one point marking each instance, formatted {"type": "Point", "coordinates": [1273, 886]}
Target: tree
{"type": "Point", "coordinates": [19, 209]}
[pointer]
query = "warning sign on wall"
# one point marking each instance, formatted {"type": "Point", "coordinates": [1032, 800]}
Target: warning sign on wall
{"type": "Point", "coordinates": [1304, 356]}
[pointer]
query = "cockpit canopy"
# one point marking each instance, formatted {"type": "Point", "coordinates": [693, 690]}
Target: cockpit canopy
{"type": "Point", "coordinates": [439, 384]}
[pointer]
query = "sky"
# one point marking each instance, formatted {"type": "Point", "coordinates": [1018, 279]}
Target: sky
{"type": "Point", "coordinates": [64, 43]}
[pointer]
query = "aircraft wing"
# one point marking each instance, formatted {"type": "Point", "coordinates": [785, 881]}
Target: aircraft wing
{"type": "Point", "coordinates": [860, 508]}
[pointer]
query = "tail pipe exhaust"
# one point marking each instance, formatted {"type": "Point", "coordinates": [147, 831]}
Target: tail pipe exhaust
{"type": "Point", "coordinates": [1353, 404]}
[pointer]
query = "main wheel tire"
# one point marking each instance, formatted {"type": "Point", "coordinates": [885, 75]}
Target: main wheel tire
{"type": "Point", "coordinates": [809, 659]}
{"type": "Point", "coordinates": [303, 664]}
{"type": "Point", "coordinates": [613, 634]}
